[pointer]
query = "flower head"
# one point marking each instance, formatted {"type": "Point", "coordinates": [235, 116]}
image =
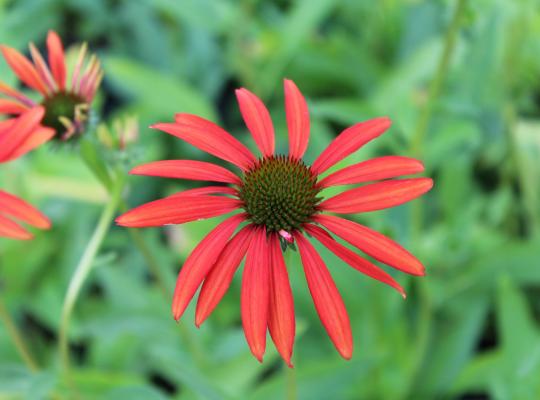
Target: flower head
{"type": "Point", "coordinates": [66, 102]}
{"type": "Point", "coordinates": [281, 202]}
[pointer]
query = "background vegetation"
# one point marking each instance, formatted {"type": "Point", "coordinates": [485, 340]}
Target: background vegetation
{"type": "Point", "coordinates": [460, 81]}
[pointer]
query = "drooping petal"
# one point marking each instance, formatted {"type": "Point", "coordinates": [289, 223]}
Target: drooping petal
{"type": "Point", "coordinates": [353, 259]}
{"type": "Point", "coordinates": [255, 293]}
{"type": "Point", "coordinates": [15, 94]}
{"type": "Point", "coordinates": [206, 190]}
{"type": "Point", "coordinates": [43, 70]}
{"type": "Point", "coordinates": [23, 69]}
{"type": "Point", "coordinates": [56, 58]}
{"type": "Point", "coordinates": [219, 279]}
{"type": "Point", "coordinates": [377, 196]}
{"type": "Point", "coordinates": [94, 86]}
{"type": "Point", "coordinates": [297, 114]}
{"type": "Point", "coordinates": [372, 243]}
{"type": "Point", "coordinates": [199, 263]}
{"type": "Point", "coordinates": [89, 78]}
{"type": "Point", "coordinates": [348, 141]}
{"type": "Point", "coordinates": [209, 137]}
{"type": "Point", "coordinates": [22, 211]}
{"type": "Point", "coordinates": [326, 298]}
{"type": "Point", "coordinates": [257, 120]}
{"type": "Point", "coordinates": [187, 169]}
{"type": "Point", "coordinates": [12, 107]}
{"type": "Point", "coordinates": [373, 170]}
{"type": "Point", "coordinates": [177, 210]}
{"type": "Point", "coordinates": [281, 323]}
{"type": "Point", "coordinates": [81, 84]}
{"type": "Point", "coordinates": [19, 131]}
{"type": "Point", "coordinates": [75, 78]}
{"type": "Point", "coordinates": [11, 229]}
{"type": "Point", "coordinates": [38, 137]}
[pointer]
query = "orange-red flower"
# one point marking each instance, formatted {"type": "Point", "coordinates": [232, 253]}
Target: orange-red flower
{"type": "Point", "coordinates": [17, 137]}
{"type": "Point", "coordinates": [66, 101]}
{"type": "Point", "coordinates": [281, 203]}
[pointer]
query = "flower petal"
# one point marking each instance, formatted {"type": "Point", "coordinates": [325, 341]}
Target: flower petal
{"type": "Point", "coordinates": [199, 263]}
{"type": "Point", "coordinates": [373, 170]}
{"type": "Point", "coordinates": [12, 230]}
{"type": "Point", "coordinates": [38, 137]}
{"type": "Point", "coordinates": [23, 69]}
{"type": "Point", "coordinates": [12, 107]}
{"type": "Point", "coordinates": [257, 120]}
{"type": "Point", "coordinates": [348, 141]}
{"type": "Point", "coordinates": [281, 323]}
{"type": "Point", "coordinates": [372, 243]}
{"type": "Point", "coordinates": [206, 190]}
{"type": "Point", "coordinates": [377, 196]}
{"type": "Point", "coordinates": [255, 293]}
{"type": "Point", "coordinates": [326, 298]}
{"type": "Point", "coordinates": [187, 169]}
{"type": "Point", "coordinates": [22, 211]}
{"type": "Point", "coordinates": [43, 70]}
{"type": "Point", "coordinates": [209, 137]}
{"type": "Point", "coordinates": [177, 210]}
{"type": "Point", "coordinates": [56, 58]}
{"type": "Point", "coordinates": [15, 94]}
{"type": "Point", "coordinates": [353, 259]}
{"type": "Point", "coordinates": [18, 132]}
{"type": "Point", "coordinates": [75, 76]}
{"type": "Point", "coordinates": [219, 279]}
{"type": "Point", "coordinates": [297, 114]}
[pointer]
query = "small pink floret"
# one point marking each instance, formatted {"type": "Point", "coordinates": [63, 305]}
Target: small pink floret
{"type": "Point", "coordinates": [286, 235]}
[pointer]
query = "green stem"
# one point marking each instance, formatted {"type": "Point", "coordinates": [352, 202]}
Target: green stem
{"type": "Point", "coordinates": [17, 338]}
{"type": "Point", "coordinates": [416, 148]}
{"type": "Point", "coordinates": [290, 377]}
{"type": "Point", "coordinates": [436, 83]}
{"type": "Point", "coordinates": [84, 268]}
{"type": "Point", "coordinates": [155, 270]}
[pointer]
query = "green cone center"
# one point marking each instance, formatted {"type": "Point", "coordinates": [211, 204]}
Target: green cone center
{"type": "Point", "coordinates": [61, 104]}
{"type": "Point", "coordinates": [280, 193]}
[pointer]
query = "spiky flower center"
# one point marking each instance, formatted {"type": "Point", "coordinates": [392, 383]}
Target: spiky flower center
{"type": "Point", "coordinates": [60, 109]}
{"type": "Point", "coordinates": [280, 193]}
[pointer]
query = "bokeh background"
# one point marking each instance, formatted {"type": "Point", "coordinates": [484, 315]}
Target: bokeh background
{"type": "Point", "coordinates": [460, 80]}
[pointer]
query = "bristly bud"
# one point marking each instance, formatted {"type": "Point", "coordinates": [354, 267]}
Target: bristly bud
{"type": "Point", "coordinates": [280, 193]}
{"type": "Point", "coordinates": [123, 132]}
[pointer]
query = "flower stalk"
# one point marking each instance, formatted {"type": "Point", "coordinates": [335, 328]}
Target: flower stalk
{"type": "Point", "coordinates": [84, 267]}
{"type": "Point", "coordinates": [416, 148]}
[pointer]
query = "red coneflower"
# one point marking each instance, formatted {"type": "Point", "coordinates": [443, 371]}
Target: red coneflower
{"type": "Point", "coordinates": [17, 137]}
{"type": "Point", "coordinates": [66, 103]}
{"type": "Point", "coordinates": [280, 199]}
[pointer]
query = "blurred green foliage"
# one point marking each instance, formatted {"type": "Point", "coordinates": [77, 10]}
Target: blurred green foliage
{"type": "Point", "coordinates": [469, 330]}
